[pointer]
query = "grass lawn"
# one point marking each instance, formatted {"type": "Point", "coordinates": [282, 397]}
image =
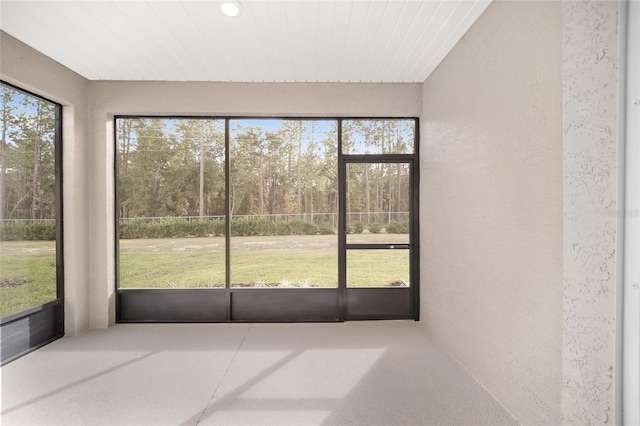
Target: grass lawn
{"type": "Point", "coordinates": [31, 262]}
{"type": "Point", "coordinates": [298, 260]}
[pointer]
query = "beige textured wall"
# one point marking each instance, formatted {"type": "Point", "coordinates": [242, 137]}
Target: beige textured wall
{"type": "Point", "coordinates": [491, 206]}
{"type": "Point", "coordinates": [235, 99]}
{"type": "Point", "coordinates": [591, 212]}
{"type": "Point", "coordinates": [26, 68]}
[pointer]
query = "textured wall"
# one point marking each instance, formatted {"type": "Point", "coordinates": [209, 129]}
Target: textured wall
{"type": "Point", "coordinates": [491, 206]}
{"type": "Point", "coordinates": [248, 99]}
{"type": "Point", "coordinates": [590, 206]}
{"type": "Point", "coordinates": [26, 68]}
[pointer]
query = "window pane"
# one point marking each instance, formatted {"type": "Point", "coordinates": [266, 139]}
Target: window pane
{"type": "Point", "coordinates": [27, 202]}
{"type": "Point", "coordinates": [171, 189]}
{"type": "Point", "coordinates": [378, 268]}
{"type": "Point", "coordinates": [377, 203]}
{"type": "Point", "coordinates": [378, 136]}
{"type": "Point", "coordinates": [284, 201]}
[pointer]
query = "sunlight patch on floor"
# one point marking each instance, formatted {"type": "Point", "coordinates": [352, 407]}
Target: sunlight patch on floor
{"type": "Point", "coordinates": [264, 417]}
{"type": "Point", "coordinates": [316, 374]}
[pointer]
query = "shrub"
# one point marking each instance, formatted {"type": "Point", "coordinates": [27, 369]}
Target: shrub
{"type": "Point", "coordinates": [130, 229]}
{"type": "Point", "coordinates": [170, 228]}
{"type": "Point", "coordinates": [310, 229]}
{"type": "Point", "coordinates": [263, 226]}
{"type": "Point", "coordinates": [281, 228]}
{"type": "Point", "coordinates": [176, 227]}
{"type": "Point", "coordinates": [325, 229]}
{"type": "Point", "coordinates": [300, 227]}
{"type": "Point", "coordinates": [358, 227]}
{"type": "Point", "coordinates": [219, 228]}
{"type": "Point", "coordinates": [396, 227]}
{"type": "Point", "coordinates": [28, 231]}
{"type": "Point", "coordinates": [243, 228]}
{"type": "Point", "coordinates": [375, 228]}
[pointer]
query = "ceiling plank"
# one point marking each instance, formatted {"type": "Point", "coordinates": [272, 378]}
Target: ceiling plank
{"type": "Point", "coordinates": [415, 22]}
{"type": "Point", "coordinates": [272, 41]}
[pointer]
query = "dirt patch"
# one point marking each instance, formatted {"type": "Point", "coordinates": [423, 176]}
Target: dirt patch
{"type": "Point", "coordinates": [399, 283]}
{"type": "Point", "coordinates": [12, 282]}
{"type": "Point", "coordinates": [273, 285]}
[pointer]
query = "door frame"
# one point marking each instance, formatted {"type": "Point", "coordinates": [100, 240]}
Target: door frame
{"type": "Point", "coordinates": [378, 302]}
{"type": "Point", "coordinates": [376, 295]}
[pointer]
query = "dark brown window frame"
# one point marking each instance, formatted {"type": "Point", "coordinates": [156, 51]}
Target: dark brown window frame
{"type": "Point", "coordinates": [232, 304]}
{"type": "Point", "coordinates": [32, 328]}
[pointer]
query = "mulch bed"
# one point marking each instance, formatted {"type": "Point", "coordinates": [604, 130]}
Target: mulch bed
{"type": "Point", "coordinates": [12, 282]}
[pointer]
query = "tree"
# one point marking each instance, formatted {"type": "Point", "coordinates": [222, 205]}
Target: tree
{"type": "Point", "coordinates": [172, 167]}
{"type": "Point", "coordinates": [27, 157]}
{"type": "Point", "coordinates": [176, 167]}
{"type": "Point", "coordinates": [8, 97]}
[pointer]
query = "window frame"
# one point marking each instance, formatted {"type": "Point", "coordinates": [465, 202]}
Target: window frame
{"type": "Point", "coordinates": [140, 297]}
{"type": "Point", "coordinates": [50, 314]}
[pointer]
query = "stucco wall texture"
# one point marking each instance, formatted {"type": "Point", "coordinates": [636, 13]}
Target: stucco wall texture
{"type": "Point", "coordinates": [591, 61]}
{"type": "Point", "coordinates": [491, 206]}
{"type": "Point", "coordinates": [234, 99]}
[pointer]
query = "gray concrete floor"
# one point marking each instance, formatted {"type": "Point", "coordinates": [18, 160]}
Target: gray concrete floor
{"type": "Point", "coordinates": [356, 373]}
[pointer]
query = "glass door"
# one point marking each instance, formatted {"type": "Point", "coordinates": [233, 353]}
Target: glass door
{"type": "Point", "coordinates": [378, 244]}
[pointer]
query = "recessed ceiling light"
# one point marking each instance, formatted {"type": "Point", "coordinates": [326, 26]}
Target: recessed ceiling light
{"type": "Point", "coordinates": [230, 8]}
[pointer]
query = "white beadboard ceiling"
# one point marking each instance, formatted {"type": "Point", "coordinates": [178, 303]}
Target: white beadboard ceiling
{"type": "Point", "coordinates": [272, 41]}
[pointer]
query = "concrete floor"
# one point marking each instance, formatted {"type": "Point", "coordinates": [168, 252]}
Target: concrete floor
{"type": "Point", "coordinates": [356, 373]}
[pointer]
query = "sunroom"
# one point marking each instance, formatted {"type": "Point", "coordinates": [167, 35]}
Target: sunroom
{"type": "Point", "coordinates": [449, 183]}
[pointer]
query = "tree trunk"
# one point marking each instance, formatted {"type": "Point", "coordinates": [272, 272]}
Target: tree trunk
{"type": "Point", "coordinates": [36, 180]}
{"type": "Point", "coordinates": [289, 176]}
{"type": "Point", "coordinates": [36, 167]}
{"type": "Point", "coordinates": [124, 163]}
{"type": "Point", "coordinates": [398, 188]}
{"type": "Point", "coordinates": [378, 204]}
{"type": "Point", "coordinates": [261, 183]}
{"type": "Point", "coordinates": [366, 189]}
{"type": "Point", "coordinates": [390, 202]}
{"type": "Point", "coordinates": [201, 211]}
{"type": "Point", "coordinates": [3, 159]}
{"type": "Point", "coordinates": [348, 209]}
{"type": "Point", "coordinates": [398, 174]}
{"type": "Point", "coordinates": [299, 168]}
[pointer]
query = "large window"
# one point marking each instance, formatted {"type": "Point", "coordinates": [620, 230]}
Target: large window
{"type": "Point", "coordinates": [261, 219]}
{"type": "Point", "coordinates": [171, 190]}
{"type": "Point", "coordinates": [30, 271]}
{"type": "Point", "coordinates": [284, 210]}
{"type": "Point", "coordinates": [282, 201]}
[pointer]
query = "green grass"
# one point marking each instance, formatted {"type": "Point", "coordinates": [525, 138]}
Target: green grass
{"type": "Point", "coordinates": [301, 260]}
{"type": "Point", "coordinates": [377, 268]}
{"type": "Point", "coordinates": [33, 261]}
{"type": "Point", "coordinates": [302, 267]}
{"type": "Point", "coordinates": [199, 262]}
{"type": "Point", "coordinates": [146, 269]}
